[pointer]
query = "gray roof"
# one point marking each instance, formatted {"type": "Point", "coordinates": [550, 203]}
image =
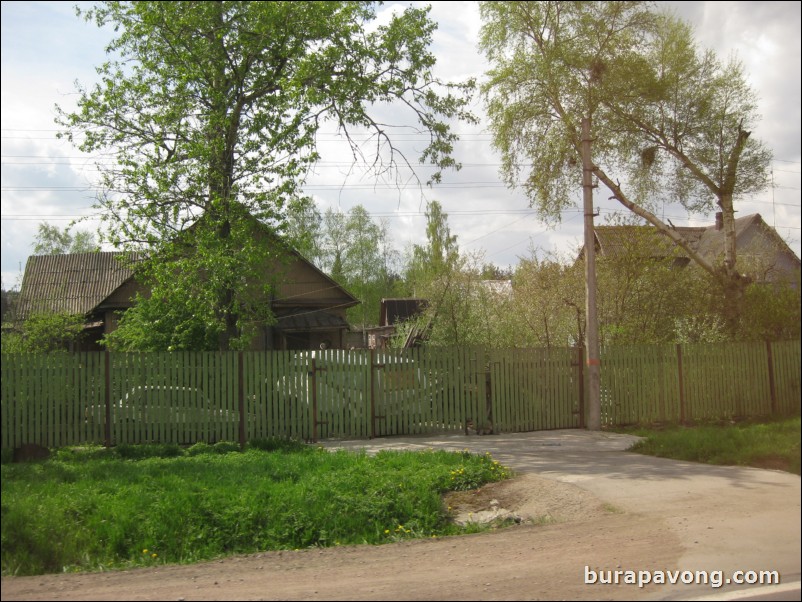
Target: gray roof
{"type": "Point", "coordinates": [711, 242]}
{"type": "Point", "coordinates": [614, 241]}
{"type": "Point", "coordinates": [617, 241]}
{"type": "Point", "coordinates": [76, 283]}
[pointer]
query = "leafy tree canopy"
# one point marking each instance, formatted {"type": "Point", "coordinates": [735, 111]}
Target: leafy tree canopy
{"type": "Point", "coordinates": [45, 333]}
{"type": "Point", "coordinates": [213, 109]}
{"type": "Point", "coordinates": [670, 121]}
{"type": "Point", "coordinates": [52, 241]}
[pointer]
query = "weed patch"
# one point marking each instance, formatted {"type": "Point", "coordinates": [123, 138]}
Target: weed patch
{"type": "Point", "coordinates": [774, 444]}
{"type": "Point", "coordinates": [94, 509]}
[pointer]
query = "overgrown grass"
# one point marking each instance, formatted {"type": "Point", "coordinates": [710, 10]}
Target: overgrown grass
{"type": "Point", "coordinates": [97, 509]}
{"type": "Point", "coordinates": [767, 444]}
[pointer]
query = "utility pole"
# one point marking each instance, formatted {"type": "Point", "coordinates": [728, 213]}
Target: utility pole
{"type": "Point", "coordinates": [591, 316]}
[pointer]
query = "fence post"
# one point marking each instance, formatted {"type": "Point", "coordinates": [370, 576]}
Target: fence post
{"type": "Point", "coordinates": [241, 398]}
{"type": "Point", "coordinates": [107, 427]}
{"type": "Point", "coordinates": [580, 362]}
{"type": "Point", "coordinates": [681, 385]}
{"type": "Point", "coordinates": [313, 374]}
{"type": "Point", "coordinates": [772, 385]}
{"type": "Point", "coordinates": [373, 368]}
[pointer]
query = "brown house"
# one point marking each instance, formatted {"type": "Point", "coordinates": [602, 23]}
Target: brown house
{"type": "Point", "coordinates": [308, 304]}
{"type": "Point", "coordinates": [761, 251]}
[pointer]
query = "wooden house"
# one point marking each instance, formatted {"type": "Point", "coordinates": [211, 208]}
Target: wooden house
{"type": "Point", "coordinates": [308, 304]}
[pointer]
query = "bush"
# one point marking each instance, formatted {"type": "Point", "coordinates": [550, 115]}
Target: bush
{"type": "Point", "coordinates": [276, 444]}
{"type": "Point", "coordinates": [200, 448]}
{"type": "Point", "coordinates": [224, 447]}
{"type": "Point", "coordinates": [152, 450]}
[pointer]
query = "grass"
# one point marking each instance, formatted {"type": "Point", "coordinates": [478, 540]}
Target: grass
{"type": "Point", "coordinates": [762, 444]}
{"type": "Point", "coordinates": [98, 509]}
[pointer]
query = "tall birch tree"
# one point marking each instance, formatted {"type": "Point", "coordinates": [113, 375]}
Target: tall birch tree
{"type": "Point", "coordinates": [670, 120]}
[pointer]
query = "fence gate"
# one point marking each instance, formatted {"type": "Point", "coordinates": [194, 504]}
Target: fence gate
{"type": "Point", "coordinates": [535, 389]}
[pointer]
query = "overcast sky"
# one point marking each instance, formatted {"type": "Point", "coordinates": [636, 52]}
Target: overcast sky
{"type": "Point", "coordinates": [46, 48]}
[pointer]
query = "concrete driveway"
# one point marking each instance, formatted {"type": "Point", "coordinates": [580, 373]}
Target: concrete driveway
{"type": "Point", "coordinates": [728, 518]}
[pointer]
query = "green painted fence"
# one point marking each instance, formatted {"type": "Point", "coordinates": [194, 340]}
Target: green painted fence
{"type": "Point", "coordinates": [72, 399]}
{"type": "Point", "coordinates": [534, 389]}
{"type": "Point", "coordinates": [670, 383]}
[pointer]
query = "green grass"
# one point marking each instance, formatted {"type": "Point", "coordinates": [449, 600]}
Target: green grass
{"type": "Point", "coordinates": [97, 509]}
{"type": "Point", "coordinates": [768, 444]}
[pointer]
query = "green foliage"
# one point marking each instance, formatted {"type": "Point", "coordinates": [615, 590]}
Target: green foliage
{"type": "Point", "coordinates": [226, 447]}
{"type": "Point", "coordinates": [45, 333]}
{"type": "Point", "coordinates": [704, 328]}
{"type": "Point", "coordinates": [141, 452]}
{"type": "Point", "coordinates": [271, 444]}
{"type": "Point", "coordinates": [67, 514]}
{"type": "Point", "coordinates": [213, 110]}
{"type": "Point", "coordinates": [438, 273]}
{"type": "Point", "coordinates": [668, 118]}
{"type": "Point", "coordinates": [644, 288]}
{"type": "Point", "coordinates": [774, 444]}
{"type": "Point", "coordinates": [549, 306]}
{"type": "Point", "coordinates": [474, 474]}
{"type": "Point", "coordinates": [772, 312]}
{"type": "Point", "coordinates": [434, 261]}
{"type": "Point", "coordinates": [647, 294]}
{"type": "Point", "coordinates": [357, 253]}
{"type": "Point", "coordinates": [52, 241]}
{"type": "Point", "coordinates": [304, 229]}
{"type": "Point", "coordinates": [157, 323]}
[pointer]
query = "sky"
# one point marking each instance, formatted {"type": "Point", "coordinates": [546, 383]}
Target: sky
{"type": "Point", "coordinates": [46, 49]}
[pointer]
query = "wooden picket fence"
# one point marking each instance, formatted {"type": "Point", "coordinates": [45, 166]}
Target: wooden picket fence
{"type": "Point", "coordinates": [685, 383]}
{"type": "Point", "coordinates": [113, 398]}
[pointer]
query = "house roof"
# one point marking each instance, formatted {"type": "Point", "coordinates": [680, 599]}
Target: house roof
{"type": "Point", "coordinates": [707, 241]}
{"type": "Point", "coordinates": [348, 300]}
{"type": "Point", "coordinates": [711, 241]}
{"type": "Point", "coordinates": [76, 283]}
{"type": "Point", "coordinates": [616, 241]}
{"type": "Point", "coordinates": [79, 283]}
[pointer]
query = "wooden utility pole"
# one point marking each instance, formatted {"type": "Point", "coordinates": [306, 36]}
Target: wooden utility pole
{"type": "Point", "coordinates": [591, 316]}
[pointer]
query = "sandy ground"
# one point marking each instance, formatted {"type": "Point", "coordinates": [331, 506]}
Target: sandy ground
{"type": "Point", "coordinates": [581, 502]}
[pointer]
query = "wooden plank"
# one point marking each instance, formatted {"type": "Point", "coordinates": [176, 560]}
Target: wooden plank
{"type": "Point", "coordinates": [543, 364]}
{"type": "Point", "coordinates": [65, 425]}
{"type": "Point", "coordinates": [281, 410]}
{"type": "Point", "coordinates": [274, 412]}
{"type": "Point", "coordinates": [249, 374]}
